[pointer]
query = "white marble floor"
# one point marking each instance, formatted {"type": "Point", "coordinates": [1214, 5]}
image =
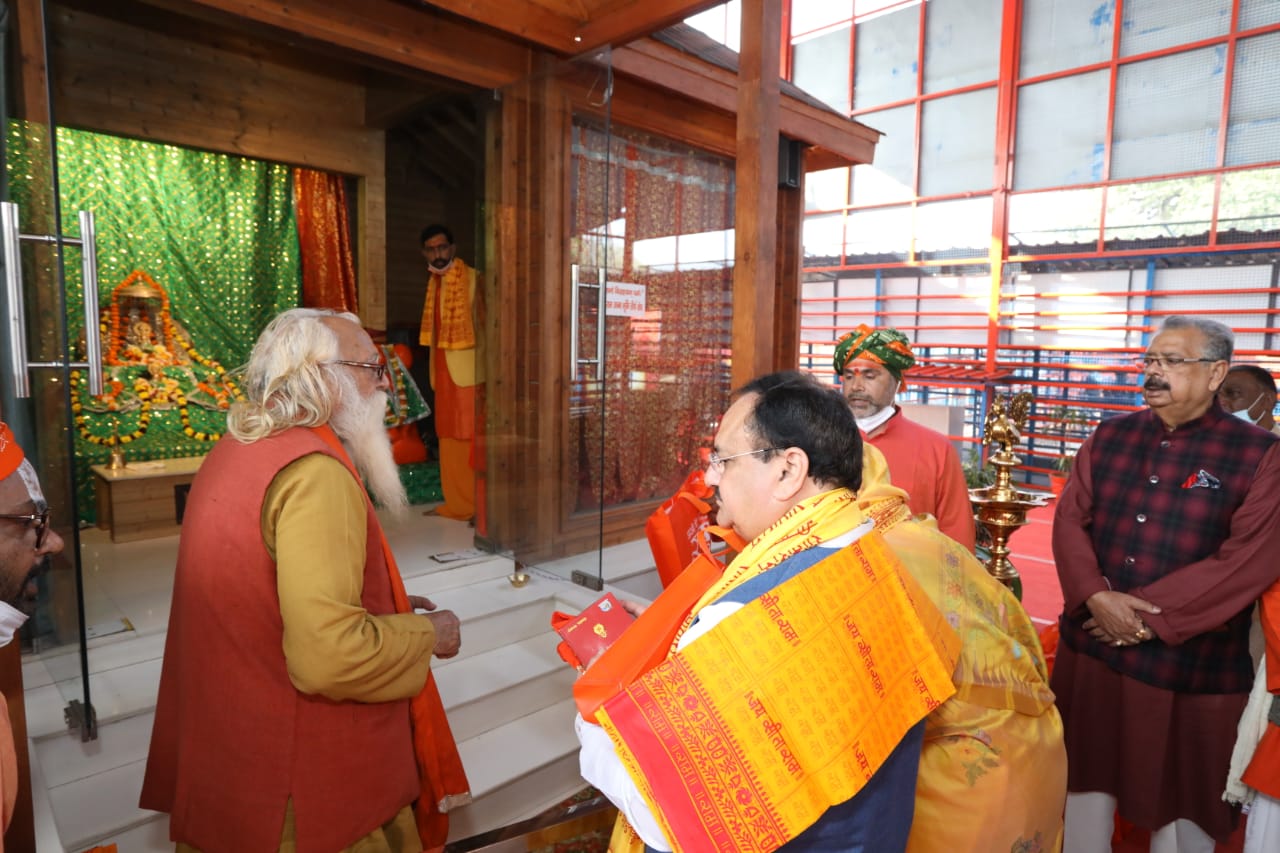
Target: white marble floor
{"type": "Point", "coordinates": [127, 591]}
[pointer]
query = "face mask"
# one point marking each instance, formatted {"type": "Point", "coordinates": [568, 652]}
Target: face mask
{"type": "Point", "coordinates": [1243, 414]}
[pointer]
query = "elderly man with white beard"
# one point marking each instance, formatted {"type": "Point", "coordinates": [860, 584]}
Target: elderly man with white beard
{"type": "Point", "coordinates": [297, 709]}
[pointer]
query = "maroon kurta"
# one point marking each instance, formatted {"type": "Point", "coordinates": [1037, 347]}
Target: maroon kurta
{"type": "Point", "coordinates": [1163, 754]}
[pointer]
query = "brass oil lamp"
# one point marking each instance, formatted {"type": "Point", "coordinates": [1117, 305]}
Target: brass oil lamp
{"type": "Point", "coordinates": [1002, 508]}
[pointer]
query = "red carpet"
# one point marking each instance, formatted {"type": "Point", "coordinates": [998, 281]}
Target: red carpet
{"type": "Point", "coordinates": [1031, 550]}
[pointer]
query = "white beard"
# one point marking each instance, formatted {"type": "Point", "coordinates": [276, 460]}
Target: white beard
{"type": "Point", "coordinates": [359, 424]}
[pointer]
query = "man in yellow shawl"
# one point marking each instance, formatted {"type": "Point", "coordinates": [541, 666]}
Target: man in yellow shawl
{"type": "Point", "coordinates": [790, 711]}
{"type": "Point", "coordinates": [449, 328]}
{"type": "Point", "coordinates": [759, 731]}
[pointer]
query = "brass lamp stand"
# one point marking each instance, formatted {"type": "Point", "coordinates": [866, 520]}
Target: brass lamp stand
{"type": "Point", "coordinates": [1002, 509]}
{"type": "Point", "coordinates": [117, 461]}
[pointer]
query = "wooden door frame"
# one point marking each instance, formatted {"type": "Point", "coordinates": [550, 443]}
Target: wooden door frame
{"type": "Point", "coordinates": [528, 151]}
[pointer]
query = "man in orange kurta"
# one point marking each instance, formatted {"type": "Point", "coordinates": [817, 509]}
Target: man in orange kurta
{"type": "Point", "coordinates": [923, 463]}
{"type": "Point", "coordinates": [26, 543]}
{"type": "Point", "coordinates": [449, 328]}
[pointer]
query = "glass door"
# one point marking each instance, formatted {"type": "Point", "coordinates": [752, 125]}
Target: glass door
{"type": "Point", "coordinates": [544, 297]}
{"type": "Point", "coordinates": [609, 317]}
{"type": "Point", "coordinates": [43, 344]}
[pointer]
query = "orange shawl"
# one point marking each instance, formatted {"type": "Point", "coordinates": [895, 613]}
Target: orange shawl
{"type": "Point", "coordinates": [443, 779]}
{"type": "Point", "coordinates": [450, 327]}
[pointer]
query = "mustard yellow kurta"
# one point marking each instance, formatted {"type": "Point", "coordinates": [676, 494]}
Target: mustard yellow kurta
{"type": "Point", "coordinates": [313, 525]}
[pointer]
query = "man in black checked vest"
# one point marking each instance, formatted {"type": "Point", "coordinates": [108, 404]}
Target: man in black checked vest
{"type": "Point", "coordinates": [1165, 536]}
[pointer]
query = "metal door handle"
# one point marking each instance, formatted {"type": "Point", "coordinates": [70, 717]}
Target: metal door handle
{"type": "Point", "coordinates": [573, 322]}
{"type": "Point", "coordinates": [89, 276]}
{"type": "Point", "coordinates": [600, 325]}
{"type": "Point", "coordinates": [13, 298]}
{"type": "Point", "coordinates": [11, 238]}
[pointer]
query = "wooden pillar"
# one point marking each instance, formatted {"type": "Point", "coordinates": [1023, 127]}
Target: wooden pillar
{"type": "Point", "coordinates": [31, 102]}
{"type": "Point", "coordinates": [756, 201]}
{"type": "Point", "coordinates": [787, 289]}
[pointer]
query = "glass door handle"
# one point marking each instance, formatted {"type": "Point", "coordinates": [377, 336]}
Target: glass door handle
{"type": "Point", "coordinates": [11, 238]}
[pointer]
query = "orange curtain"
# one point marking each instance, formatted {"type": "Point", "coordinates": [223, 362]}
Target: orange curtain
{"type": "Point", "coordinates": [324, 236]}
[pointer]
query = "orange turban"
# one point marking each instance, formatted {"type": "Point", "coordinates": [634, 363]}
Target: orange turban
{"type": "Point", "coordinates": [11, 454]}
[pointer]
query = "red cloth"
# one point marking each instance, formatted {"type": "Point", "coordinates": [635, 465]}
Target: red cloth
{"type": "Point", "coordinates": [926, 466]}
{"type": "Point", "coordinates": [324, 241]}
{"type": "Point", "coordinates": [11, 454]}
{"type": "Point", "coordinates": [1263, 772]}
{"type": "Point", "coordinates": [233, 739]}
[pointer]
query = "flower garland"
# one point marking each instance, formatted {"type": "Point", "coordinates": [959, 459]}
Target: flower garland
{"type": "Point", "coordinates": [82, 420]}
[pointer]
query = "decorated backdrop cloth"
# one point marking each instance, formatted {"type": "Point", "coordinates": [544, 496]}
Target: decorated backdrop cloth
{"type": "Point", "coordinates": [742, 739]}
{"type": "Point", "coordinates": [638, 432]}
{"type": "Point", "coordinates": [324, 235]}
{"type": "Point", "coordinates": [217, 232]}
{"type": "Point", "coordinates": [993, 773]}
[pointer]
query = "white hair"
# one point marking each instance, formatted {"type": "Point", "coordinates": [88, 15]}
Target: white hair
{"type": "Point", "coordinates": [286, 383]}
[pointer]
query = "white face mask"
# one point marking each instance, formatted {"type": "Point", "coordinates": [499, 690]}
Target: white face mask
{"type": "Point", "coordinates": [1243, 414]}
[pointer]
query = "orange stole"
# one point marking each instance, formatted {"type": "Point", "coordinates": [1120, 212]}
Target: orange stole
{"type": "Point", "coordinates": [443, 779]}
{"type": "Point", "coordinates": [744, 738]}
{"type": "Point", "coordinates": [649, 639]}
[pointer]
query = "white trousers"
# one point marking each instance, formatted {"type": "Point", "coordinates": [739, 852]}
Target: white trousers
{"type": "Point", "coordinates": [1262, 828]}
{"type": "Point", "coordinates": [1090, 823]}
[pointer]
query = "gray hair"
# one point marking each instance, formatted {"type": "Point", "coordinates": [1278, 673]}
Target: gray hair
{"type": "Point", "coordinates": [1219, 340]}
{"type": "Point", "coordinates": [286, 383]}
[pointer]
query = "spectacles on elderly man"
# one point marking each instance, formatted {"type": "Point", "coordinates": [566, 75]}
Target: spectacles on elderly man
{"type": "Point", "coordinates": [716, 462]}
{"type": "Point", "coordinates": [379, 368]}
{"type": "Point", "coordinates": [1167, 361]}
{"type": "Point", "coordinates": [38, 520]}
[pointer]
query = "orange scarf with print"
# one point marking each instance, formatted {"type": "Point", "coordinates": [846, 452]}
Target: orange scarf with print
{"type": "Point", "coordinates": [450, 327]}
{"type": "Point", "coordinates": [443, 779]}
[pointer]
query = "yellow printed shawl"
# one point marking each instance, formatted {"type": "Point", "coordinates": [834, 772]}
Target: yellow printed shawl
{"type": "Point", "coordinates": [457, 330]}
{"type": "Point", "coordinates": [741, 740]}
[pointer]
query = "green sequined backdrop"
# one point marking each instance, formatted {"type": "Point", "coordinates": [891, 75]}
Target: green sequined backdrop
{"type": "Point", "coordinates": [218, 233]}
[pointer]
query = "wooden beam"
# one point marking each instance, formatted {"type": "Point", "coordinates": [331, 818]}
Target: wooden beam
{"type": "Point", "coordinates": [32, 89]}
{"type": "Point", "coordinates": [534, 22]}
{"type": "Point", "coordinates": [618, 22]}
{"type": "Point", "coordinates": [756, 194]}
{"type": "Point", "coordinates": [416, 38]}
{"type": "Point", "coordinates": [846, 141]}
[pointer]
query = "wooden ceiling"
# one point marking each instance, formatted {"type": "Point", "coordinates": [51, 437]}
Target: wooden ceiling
{"type": "Point", "coordinates": [574, 26]}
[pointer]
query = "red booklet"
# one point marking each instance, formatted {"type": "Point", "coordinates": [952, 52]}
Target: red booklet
{"type": "Point", "coordinates": [594, 629]}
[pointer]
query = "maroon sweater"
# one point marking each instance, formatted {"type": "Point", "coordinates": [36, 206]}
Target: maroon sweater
{"type": "Point", "coordinates": [1186, 520]}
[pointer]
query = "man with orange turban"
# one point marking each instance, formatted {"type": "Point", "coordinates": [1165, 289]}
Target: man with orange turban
{"type": "Point", "coordinates": [923, 463]}
{"type": "Point", "coordinates": [26, 544]}
{"type": "Point", "coordinates": [449, 328]}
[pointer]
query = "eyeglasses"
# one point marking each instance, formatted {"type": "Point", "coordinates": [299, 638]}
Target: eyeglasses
{"type": "Point", "coordinates": [38, 520]}
{"type": "Point", "coordinates": [378, 367]}
{"type": "Point", "coordinates": [1167, 361]}
{"type": "Point", "coordinates": [716, 461]}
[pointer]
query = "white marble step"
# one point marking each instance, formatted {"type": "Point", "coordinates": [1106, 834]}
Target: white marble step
{"type": "Point", "coordinates": [518, 770]}
{"type": "Point", "coordinates": [485, 692]}
{"type": "Point", "coordinates": [501, 685]}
